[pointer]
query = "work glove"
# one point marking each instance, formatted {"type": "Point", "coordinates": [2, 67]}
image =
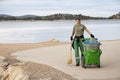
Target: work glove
{"type": "Point", "coordinates": [71, 38]}
{"type": "Point", "coordinates": [92, 35]}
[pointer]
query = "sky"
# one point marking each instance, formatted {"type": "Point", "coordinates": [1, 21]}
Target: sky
{"type": "Point", "coordinates": [95, 8]}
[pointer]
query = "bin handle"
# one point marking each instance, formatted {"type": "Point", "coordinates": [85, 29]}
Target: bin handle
{"type": "Point", "coordinates": [93, 50]}
{"type": "Point", "coordinates": [100, 51]}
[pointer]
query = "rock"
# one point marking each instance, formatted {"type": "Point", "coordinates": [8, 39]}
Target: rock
{"type": "Point", "coordinates": [53, 40]}
{"type": "Point", "coordinates": [2, 70]}
{"type": "Point", "coordinates": [49, 78]}
{"type": "Point", "coordinates": [2, 63]}
{"type": "Point", "coordinates": [18, 64]}
{"type": "Point", "coordinates": [2, 58]}
{"type": "Point", "coordinates": [15, 73]}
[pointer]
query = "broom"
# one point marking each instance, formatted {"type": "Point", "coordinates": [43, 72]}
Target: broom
{"type": "Point", "coordinates": [69, 61]}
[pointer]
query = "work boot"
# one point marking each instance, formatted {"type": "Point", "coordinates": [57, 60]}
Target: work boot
{"type": "Point", "coordinates": [77, 65]}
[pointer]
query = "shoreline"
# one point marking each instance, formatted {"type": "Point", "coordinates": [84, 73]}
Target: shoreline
{"type": "Point", "coordinates": [56, 42]}
{"type": "Point", "coordinates": [109, 40]}
{"type": "Point", "coordinates": [56, 20]}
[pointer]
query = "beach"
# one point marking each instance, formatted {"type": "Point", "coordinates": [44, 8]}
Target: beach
{"type": "Point", "coordinates": [51, 61]}
{"type": "Point", "coordinates": [40, 70]}
{"type": "Point", "coordinates": [38, 39]}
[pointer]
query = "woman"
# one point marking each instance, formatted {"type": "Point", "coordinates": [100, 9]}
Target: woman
{"type": "Point", "coordinates": [78, 31]}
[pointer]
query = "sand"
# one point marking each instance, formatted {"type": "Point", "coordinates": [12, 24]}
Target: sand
{"type": "Point", "coordinates": [56, 56]}
{"type": "Point", "coordinates": [42, 71]}
{"type": "Point", "coordinates": [7, 49]}
{"type": "Point", "coordinates": [49, 58]}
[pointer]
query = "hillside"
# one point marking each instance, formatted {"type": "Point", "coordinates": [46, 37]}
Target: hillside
{"type": "Point", "coordinates": [116, 16]}
{"type": "Point", "coordinates": [7, 17]}
{"type": "Point", "coordinates": [48, 17]}
{"type": "Point", "coordinates": [54, 17]}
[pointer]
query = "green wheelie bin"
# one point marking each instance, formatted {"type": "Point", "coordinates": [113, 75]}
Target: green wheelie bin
{"type": "Point", "coordinates": [91, 52]}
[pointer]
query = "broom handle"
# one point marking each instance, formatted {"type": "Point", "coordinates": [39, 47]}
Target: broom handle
{"type": "Point", "coordinates": [71, 47]}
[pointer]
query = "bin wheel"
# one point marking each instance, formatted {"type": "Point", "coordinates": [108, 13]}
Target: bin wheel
{"type": "Point", "coordinates": [85, 66]}
{"type": "Point", "coordinates": [83, 61]}
{"type": "Point", "coordinates": [98, 66]}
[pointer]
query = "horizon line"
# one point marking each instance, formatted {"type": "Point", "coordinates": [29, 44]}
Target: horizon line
{"type": "Point", "coordinates": [54, 14]}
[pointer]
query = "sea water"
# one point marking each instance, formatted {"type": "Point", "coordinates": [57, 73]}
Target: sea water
{"type": "Point", "coordinates": [40, 31]}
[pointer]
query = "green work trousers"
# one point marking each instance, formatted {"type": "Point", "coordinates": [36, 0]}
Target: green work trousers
{"type": "Point", "coordinates": [77, 45]}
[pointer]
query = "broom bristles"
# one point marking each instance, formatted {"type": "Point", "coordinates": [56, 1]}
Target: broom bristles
{"type": "Point", "coordinates": [69, 58]}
